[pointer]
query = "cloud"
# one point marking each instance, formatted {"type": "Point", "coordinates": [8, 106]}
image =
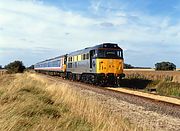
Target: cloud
{"type": "Point", "coordinates": [28, 56]}
{"type": "Point", "coordinates": [95, 5]}
{"type": "Point", "coordinates": [107, 24]}
{"type": "Point", "coordinates": [28, 24]}
{"type": "Point", "coordinates": [45, 25]}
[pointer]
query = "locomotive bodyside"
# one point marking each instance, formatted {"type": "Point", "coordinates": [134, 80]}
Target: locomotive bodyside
{"type": "Point", "coordinates": [78, 62]}
{"type": "Point", "coordinates": [102, 63]}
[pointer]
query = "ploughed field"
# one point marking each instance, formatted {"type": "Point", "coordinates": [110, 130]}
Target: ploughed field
{"type": "Point", "coordinates": [37, 102]}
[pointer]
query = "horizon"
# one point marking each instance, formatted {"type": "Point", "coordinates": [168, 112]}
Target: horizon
{"type": "Point", "coordinates": [35, 30]}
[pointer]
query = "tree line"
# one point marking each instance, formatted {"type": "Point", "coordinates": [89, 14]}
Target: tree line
{"type": "Point", "coordinates": [165, 66]}
{"type": "Point", "coordinates": [18, 66]}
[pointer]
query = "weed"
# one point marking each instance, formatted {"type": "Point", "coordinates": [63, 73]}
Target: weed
{"type": "Point", "coordinates": [7, 98]}
{"type": "Point", "coordinates": [169, 89]}
{"type": "Point", "coordinates": [51, 111]}
{"type": "Point", "coordinates": [22, 125]}
{"type": "Point", "coordinates": [75, 124]}
{"type": "Point", "coordinates": [1, 93]}
{"type": "Point", "coordinates": [46, 99]}
{"type": "Point", "coordinates": [32, 90]}
{"type": "Point", "coordinates": [62, 107]}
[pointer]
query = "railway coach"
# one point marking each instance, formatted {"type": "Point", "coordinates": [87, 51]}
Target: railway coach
{"type": "Point", "coordinates": [101, 64]}
{"type": "Point", "coordinates": [53, 66]}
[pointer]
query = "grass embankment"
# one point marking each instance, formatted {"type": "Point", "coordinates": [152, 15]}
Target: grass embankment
{"type": "Point", "coordinates": [164, 84]}
{"type": "Point", "coordinates": [168, 88]}
{"type": "Point", "coordinates": [29, 102]}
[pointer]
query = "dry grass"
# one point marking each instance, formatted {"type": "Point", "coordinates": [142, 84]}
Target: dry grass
{"type": "Point", "coordinates": [166, 83]}
{"type": "Point", "coordinates": [30, 102]}
{"type": "Point", "coordinates": [3, 72]}
{"type": "Point", "coordinates": [168, 89]}
{"type": "Point", "coordinates": [178, 69]}
{"type": "Point", "coordinates": [173, 76]}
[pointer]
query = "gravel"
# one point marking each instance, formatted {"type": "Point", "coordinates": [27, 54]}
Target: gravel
{"type": "Point", "coordinates": [152, 115]}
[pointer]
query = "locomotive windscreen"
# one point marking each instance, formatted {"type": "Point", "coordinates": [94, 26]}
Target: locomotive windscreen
{"type": "Point", "coordinates": [110, 54]}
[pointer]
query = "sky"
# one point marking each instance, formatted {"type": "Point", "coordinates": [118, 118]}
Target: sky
{"type": "Point", "coordinates": [34, 30]}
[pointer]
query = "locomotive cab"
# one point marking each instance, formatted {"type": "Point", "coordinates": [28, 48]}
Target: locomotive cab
{"type": "Point", "coordinates": [107, 61]}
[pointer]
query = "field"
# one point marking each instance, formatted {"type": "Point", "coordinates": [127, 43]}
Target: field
{"type": "Point", "coordinates": [28, 102]}
{"type": "Point", "coordinates": [165, 82]}
{"type": "Point", "coordinates": [173, 76]}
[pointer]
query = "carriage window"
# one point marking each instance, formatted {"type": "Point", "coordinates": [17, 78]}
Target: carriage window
{"type": "Point", "coordinates": [87, 56]}
{"type": "Point", "coordinates": [81, 57]}
{"type": "Point", "coordinates": [84, 56]}
{"type": "Point", "coordinates": [71, 59]}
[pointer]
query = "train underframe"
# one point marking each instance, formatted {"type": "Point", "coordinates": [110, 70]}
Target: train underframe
{"type": "Point", "coordinates": [90, 78]}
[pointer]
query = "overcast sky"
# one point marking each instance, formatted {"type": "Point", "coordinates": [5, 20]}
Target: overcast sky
{"type": "Point", "coordinates": [33, 30]}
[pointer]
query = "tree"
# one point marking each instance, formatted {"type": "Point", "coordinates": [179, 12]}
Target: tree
{"type": "Point", "coordinates": [31, 67]}
{"type": "Point", "coordinates": [128, 66]}
{"type": "Point", "coordinates": [15, 67]}
{"type": "Point", "coordinates": [0, 66]}
{"type": "Point", "coordinates": [165, 66]}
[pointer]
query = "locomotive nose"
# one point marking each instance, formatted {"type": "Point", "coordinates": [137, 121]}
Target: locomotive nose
{"type": "Point", "coordinates": [113, 66]}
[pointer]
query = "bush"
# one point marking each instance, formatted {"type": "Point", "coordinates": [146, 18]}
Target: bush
{"type": "Point", "coordinates": [165, 66]}
{"type": "Point", "coordinates": [128, 66]}
{"type": "Point", "coordinates": [31, 67]}
{"type": "Point", "coordinates": [15, 67]}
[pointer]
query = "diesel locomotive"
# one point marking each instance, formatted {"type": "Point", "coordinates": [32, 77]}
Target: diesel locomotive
{"type": "Point", "coordinates": [101, 64]}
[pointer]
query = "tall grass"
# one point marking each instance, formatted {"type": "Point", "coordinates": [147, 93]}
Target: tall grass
{"type": "Point", "coordinates": [149, 76]}
{"type": "Point", "coordinates": [168, 89]}
{"type": "Point", "coordinates": [173, 76]}
{"type": "Point", "coordinates": [165, 83]}
{"type": "Point", "coordinates": [30, 102]}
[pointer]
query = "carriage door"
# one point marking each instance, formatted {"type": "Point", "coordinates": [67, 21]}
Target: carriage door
{"type": "Point", "coordinates": [92, 52]}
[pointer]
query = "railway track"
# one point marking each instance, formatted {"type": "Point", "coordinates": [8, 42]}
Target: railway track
{"type": "Point", "coordinates": [155, 97]}
{"type": "Point", "coordinates": [160, 104]}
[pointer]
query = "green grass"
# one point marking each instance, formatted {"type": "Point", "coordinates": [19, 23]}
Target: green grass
{"type": "Point", "coordinates": [169, 89]}
{"type": "Point", "coordinates": [1, 93]}
{"type": "Point", "coordinates": [165, 88]}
